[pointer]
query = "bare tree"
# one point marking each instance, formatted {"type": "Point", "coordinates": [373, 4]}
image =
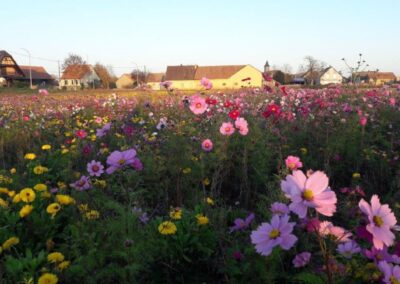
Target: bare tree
{"type": "Point", "coordinates": [287, 68]}
{"type": "Point", "coordinates": [312, 68]}
{"type": "Point", "coordinates": [72, 59]}
{"type": "Point", "coordinates": [139, 76]}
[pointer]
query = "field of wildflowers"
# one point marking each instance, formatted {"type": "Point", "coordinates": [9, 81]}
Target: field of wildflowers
{"type": "Point", "coordinates": [253, 186]}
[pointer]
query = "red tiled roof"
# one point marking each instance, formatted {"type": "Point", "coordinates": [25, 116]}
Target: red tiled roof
{"type": "Point", "coordinates": [38, 73]}
{"type": "Point", "coordinates": [76, 71]}
{"type": "Point", "coordinates": [217, 72]}
{"type": "Point", "coordinates": [155, 77]}
{"type": "Point", "coordinates": [377, 75]}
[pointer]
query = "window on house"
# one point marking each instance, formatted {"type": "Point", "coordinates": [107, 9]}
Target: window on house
{"type": "Point", "coordinates": [224, 84]}
{"type": "Point", "coordinates": [76, 82]}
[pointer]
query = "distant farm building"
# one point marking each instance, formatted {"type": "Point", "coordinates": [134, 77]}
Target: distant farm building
{"type": "Point", "coordinates": [326, 76]}
{"type": "Point", "coordinates": [9, 69]}
{"type": "Point", "coordinates": [187, 77]}
{"type": "Point", "coordinates": [374, 77]}
{"type": "Point", "coordinates": [126, 81]}
{"type": "Point", "coordinates": [39, 75]}
{"type": "Point", "coordinates": [153, 80]}
{"type": "Point", "coordinates": [79, 76]}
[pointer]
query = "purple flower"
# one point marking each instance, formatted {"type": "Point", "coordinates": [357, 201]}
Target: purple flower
{"type": "Point", "coordinates": [82, 184]}
{"type": "Point", "coordinates": [166, 84]}
{"type": "Point", "coordinates": [118, 160]}
{"type": "Point", "coordinates": [240, 224]}
{"type": "Point", "coordinates": [391, 273]}
{"type": "Point", "coordinates": [378, 255]}
{"type": "Point", "coordinates": [347, 249]}
{"type": "Point", "coordinates": [144, 218]}
{"type": "Point", "coordinates": [277, 233]}
{"type": "Point", "coordinates": [301, 259]}
{"type": "Point", "coordinates": [95, 168]}
{"type": "Point", "coordinates": [86, 150]}
{"type": "Point", "coordinates": [280, 209]}
{"type": "Point", "coordinates": [103, 131]}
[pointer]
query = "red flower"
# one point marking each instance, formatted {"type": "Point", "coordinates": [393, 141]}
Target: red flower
{"type": "Point", "coordinates": [227, 104]}
{"type": "Point", "coordinates": [283, 90]}
{"type": "Point", "coordinates": [267, 77]}
{"type": "Point", "coordinates": [211, 101]}
{"type": "Point", "coordinates": [272, 109]}
{"type": "Point", "coordinates": [233, 114]}
{"type": "Point", "coordinates": [81, 133]}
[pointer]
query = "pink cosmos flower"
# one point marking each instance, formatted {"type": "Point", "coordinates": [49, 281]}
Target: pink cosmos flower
{"type": "Point", "coordinates": [227, 129]}
{"type": "Point", "coordinates": [391, 273]}
{"type": "Point", "coordinates": [198, 105]}
{"type": "Point", "coordinates": [392, 101]}
{"type": "Point", "coordinates": [277, 233]}
{"type": "Point", "coordinates": [293, 163]}
{"type": "Point", "coordinates": [328, 229]}
{"type": "Point", "coordinates": [207, 145]}
{"type": "Point", "coordinates": [206, 83]}
{"type": "Point", "coordinates": [363, 121]}
{"type": "Point", "coordinates": [242, 125]}
{"type": "Point", "coordinates": [118, 160]}
{"type": "Point", "coordinates": [43, 92]}
{"type": "Point", "coordinates": [381, 220]}
{"type": "Point", "coordinates": [95, 168]}
{"type": "Point", "coordinates": [301, 259]}
{"type": "Point", "coordinates": [309, 192]}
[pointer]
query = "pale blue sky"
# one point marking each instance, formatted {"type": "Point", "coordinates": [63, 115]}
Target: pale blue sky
{"type": "Point", "coordinates": [157, 33]}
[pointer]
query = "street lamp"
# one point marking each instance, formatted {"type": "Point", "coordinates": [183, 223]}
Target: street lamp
{"type": "Point", "coordinates": [30, 66]}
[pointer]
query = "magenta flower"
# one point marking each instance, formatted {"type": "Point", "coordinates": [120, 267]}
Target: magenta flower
{"type": "Point", "coordinates": [381, 220]}
{"type": "Point", "coordinates": [95, 168]}
{"type": "Point", "coordinates": [378, 255]}
{"type": "Point", "coordinates": [207, 145]}
{"type": "Point", "coordinates": [227, 129]}
{"type": "Point", "coordinates": [137, 164]}
{"type": "Point", "coordinates": [206, 83]}
{"type": "Point", "coordinates": [198, 105]}
{"type": "Point", "coordinates": [309, 192]}
{"type": "Point", "coordinates": [301, 259]}
{"type": "Point", "coordinates": [118, 160]}
{"type": "Point", "coordinates": [82, 184]}
{"type": "Point", "coordinates": [280, 209]}
{"type": "Point", "coordinates": [278, 233]}
{"type": "Point", "coordinates": [43, 92]}
{"type": "Point", "coordinates": [347, 249]}
{"type": "Point", "coordinates": [391, 273]}
{"type": "Point", "coordinates": [81, 133]}
{"type": "Point", "coordinates": [293, 163]}
{"type": "Point", "coordinates": [240, 224]}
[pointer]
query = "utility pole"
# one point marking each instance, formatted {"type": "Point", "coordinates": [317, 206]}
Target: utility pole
{"type": "Point", "coordinates": [137, 74]}
{"type": "Point", "coordinates": [30, 67]}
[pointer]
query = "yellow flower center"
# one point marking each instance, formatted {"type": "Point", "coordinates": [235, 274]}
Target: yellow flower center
{"type": "Point", "coordinates": [291, 165]}
{"type": "Point", "coordinates": [121, 162]}
{"type": "Point", "coordinates": [308, 194]}
{"type": "Point", "coordinates": [394, 280]}
{"type": "Point", "coordinates": [378, 221]}
{"type": "Point", "coordinates": [274, 234]}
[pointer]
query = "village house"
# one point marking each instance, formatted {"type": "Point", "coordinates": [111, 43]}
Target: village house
{"type": "Point", "coordinates": [9, 69]}
{"type": "Point", "coordinates": [187, 77]}
{"type": "Point", "coordinates": [40, 77]}
{"type": "Point", "coordinates": [78, 77]}
{"type": "Point", "coordinates": [326, 76]}
{"type": "Point", "coordinates": [153, 80]}
{"type": "Point", "coordinates": [126, 81]}
{"type": "Point", "coordinates": [375, 78]}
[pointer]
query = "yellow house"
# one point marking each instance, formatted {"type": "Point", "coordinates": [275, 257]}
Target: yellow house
{"type": "Point", "coordinates": [187, 77]}
{"type": "Point", "coordinates": [153, 80]}
{"type": "Point", "coordinates": [125, 82]}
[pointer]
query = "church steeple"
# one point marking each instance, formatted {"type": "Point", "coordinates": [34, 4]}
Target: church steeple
{"type": "Point", "coordinates": [266, 67]}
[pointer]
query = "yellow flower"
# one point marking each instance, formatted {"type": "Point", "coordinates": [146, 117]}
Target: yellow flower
{"type": "Point", "coordinates": [83, 207]}
{"type": "Point", "coordinates": [17, 198]}
{"type": "Point", "coordinates": [356, 175]}
{"type": "Point", "coordinates": [167, 228]}
{"type": "Point", "coordinates": [38, 170]}
{"type": "Point", "coordinates": [100, 183]}
{"type": "Point", "coordinates": [27, 195]}
{"type": "Point", "coordinates": [187, 170]}
{"type": "Point", "coordinates": [303, 151]}
{"type": "Point", "coordinates": [10, 242]}
{"type": "Point", "coordinates": [209, 201]}
{"type": "Point", "coordinates": [64, 151]}
{"type": "Point", "coordinates": [206, 181]}
{"type": "Point", "coordinates": [4, 190]}
{"type": "Point", "coordinates": [202, 220]}
{"type": "Point", "coordinates": [176, 213]}
{"type": "Point", "coordinates": [45, 194]}
{"type": "Point", "coordinates": [48, 278]}
{"type": "Point", "coordinates": [13, 171]}
{"type": "Point", "coordinates": [92, 214]}
{"type": "Point", "coordinates": [25, 211]}
{"type": "Point", "coordinates": [55, 257]}
{"type": "Point", "coordinates": [46, 147]}
{"type": "Point", "coordinates": [3, 203]}
{"type": "Point", "coordinates": [61, 185]}
{"type": "Point", "coordinates": [53, 208]}
{"type": "Point", "coordinates": [30, 156]}
{"type": "Point", "coordinates": [11, 193]}
{"type": "Point", "coordinates": [64, 265]}
{"type": "Point", "coordinates": [93, 137]}
{"type": "Point", "coordinates": [64, 199]}
{"type": "Point", "coordinates": [40, 187]}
